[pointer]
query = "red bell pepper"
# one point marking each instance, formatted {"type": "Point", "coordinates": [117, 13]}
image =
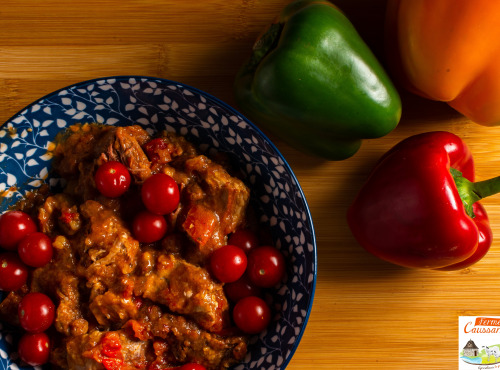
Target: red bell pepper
{"type": "Point", "coordinates": [419, 206]}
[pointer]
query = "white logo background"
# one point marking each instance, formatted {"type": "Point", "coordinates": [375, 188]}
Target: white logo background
{"type": "Point", "coordinates": [466, 324]}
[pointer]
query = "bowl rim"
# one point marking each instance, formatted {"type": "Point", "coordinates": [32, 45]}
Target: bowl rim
{"type": "Point", "coordinates": [249, 122]}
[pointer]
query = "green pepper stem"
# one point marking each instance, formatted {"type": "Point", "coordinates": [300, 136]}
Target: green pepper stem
{"type": "Point", "coordinates": [265, 44]}
{"type": "Point", "coordinates": [471, 192]}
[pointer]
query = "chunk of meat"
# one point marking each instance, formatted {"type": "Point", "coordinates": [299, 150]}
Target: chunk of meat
{"type": "Point", "coordinates": [69, 318]}
{"type": "Point", "coordinates": [64, 286]}
{"type": "Point", "coordinates": [113, 309]}
{"type": "Point", "coordinates": [123, 144]}
{"type": "Point", "coordinates": [166, 148]}
{"type": "Point", "coordinates": [213, 205]}
{"type": "Point", "coordinates": [108, 250]}
{"type": "Point", "coordinates": [160, 152]}
{"type": "Point", "coordinates": [128, 147]}
{"type": "Point", "coordinates": [75, 157]}
{"type": "Point", "coordinates": [156, 339]}
{"type": "Point", "coordinates": [58, 279]}
{"type": "Point", "coordinates": [178, 340]}
{"type": "Point", "coordinates": [226, 195]}
{"type": "Point", "coordinates": [106, 350]}
{"type": "Point", "coordinates": [59, 214]}
{"type": "Point", "coordinates": [185, 289]}
{"type": "Point", "coordinates": [9, 305]}
{"type": "Point", "coordinates": [174, 243]}
{"type": "Point", "coordinates": [88, 146]}
{"type": "Point", "coordinates": [77, 146]}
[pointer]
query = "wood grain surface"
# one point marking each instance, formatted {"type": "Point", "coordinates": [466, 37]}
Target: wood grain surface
{"type": "Point", "coordinates": [367, 313]}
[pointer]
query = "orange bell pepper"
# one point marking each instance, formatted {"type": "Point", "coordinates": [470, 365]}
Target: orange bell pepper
{"type": "Point", "coordinates": [448, 50]}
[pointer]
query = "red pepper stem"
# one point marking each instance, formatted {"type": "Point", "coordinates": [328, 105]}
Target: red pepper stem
{"type": "Point", "coordinates": [471, 192]}
{"type": "Point", "coordinates": [487, 187]}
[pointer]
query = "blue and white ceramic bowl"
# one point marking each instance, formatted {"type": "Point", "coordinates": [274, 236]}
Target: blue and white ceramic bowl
{"type": "Point", "coordinates": [158, 104]}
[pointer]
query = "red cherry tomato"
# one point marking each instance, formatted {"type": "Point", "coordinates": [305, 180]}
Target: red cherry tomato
{"type": "Point", "coordinates": [35, 249]}
{"type": "Point", "coordinates": [34, 348]}
{"type": "Point", "coordinates": [14, 226]}
{"type": "Point", "coordinates": [36, 312]}
{"type": "Point", "coordinates": [148, 227]}
{"type": "Point", "coordinates": [112, 179]}
{"type": "Point", "coordinates": [228, 263]}
{"type": "Point", "coordinates": [266, 266]}
{"type": "Point", "coordinates": [160, 194]}
{"type": "Point", "coordinates": [241, 288]}
{"type": "Point", "coordinates": [245, 239]}
{"type": "Point", "coordinates": [251, 314]}
{"type": "Point", "coordinates": [13, 272]}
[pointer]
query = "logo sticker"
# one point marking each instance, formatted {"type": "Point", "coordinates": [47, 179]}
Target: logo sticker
{"type": "Point", "coordinates": [479, 342]}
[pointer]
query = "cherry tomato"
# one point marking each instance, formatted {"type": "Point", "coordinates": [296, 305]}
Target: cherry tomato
{"type": "Point", "coordinates": [148, 227]}
{"type": "Point", "coordinates": [34, 348]}
{"type": "Point", "coordinates": [35, 249]}
{"type": "Point", "coordinates": [241, 288]}
{"type": "Point", "coordinates": [192, 366]}
{"type": "Point", "coordinates": [112, 179]}
{"type": "Point", "coordinates": [13, 272]}
{"type": "Point", "coordinates": [266, 266]}
{"type": "Point", "coordinates": [15, 225]}
{"type": "Point", "coordinates": [160, 194]}
{"type": "Point", "coordinates": [228, 263]}
{"type": "Point", "coordinates": [251, 314]}
{"type": "Point", "coordinates": [36, 312]}
{"type": "Point", "coordinates": [245, 239]}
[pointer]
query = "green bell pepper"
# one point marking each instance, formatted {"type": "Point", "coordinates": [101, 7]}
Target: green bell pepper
{"type": "Point", "coordinates": [313, 82]}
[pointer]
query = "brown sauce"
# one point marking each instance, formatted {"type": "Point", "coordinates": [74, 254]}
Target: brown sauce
{"type": "Point", "coordinates": [121, 304]}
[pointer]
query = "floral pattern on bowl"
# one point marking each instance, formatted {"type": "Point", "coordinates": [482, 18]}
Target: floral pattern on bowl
{"type": "Point", "coordinates": [26, 141]}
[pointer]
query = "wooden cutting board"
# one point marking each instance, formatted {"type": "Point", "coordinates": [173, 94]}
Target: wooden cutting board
{"type": "Point", "coordinates": [367, 314]}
